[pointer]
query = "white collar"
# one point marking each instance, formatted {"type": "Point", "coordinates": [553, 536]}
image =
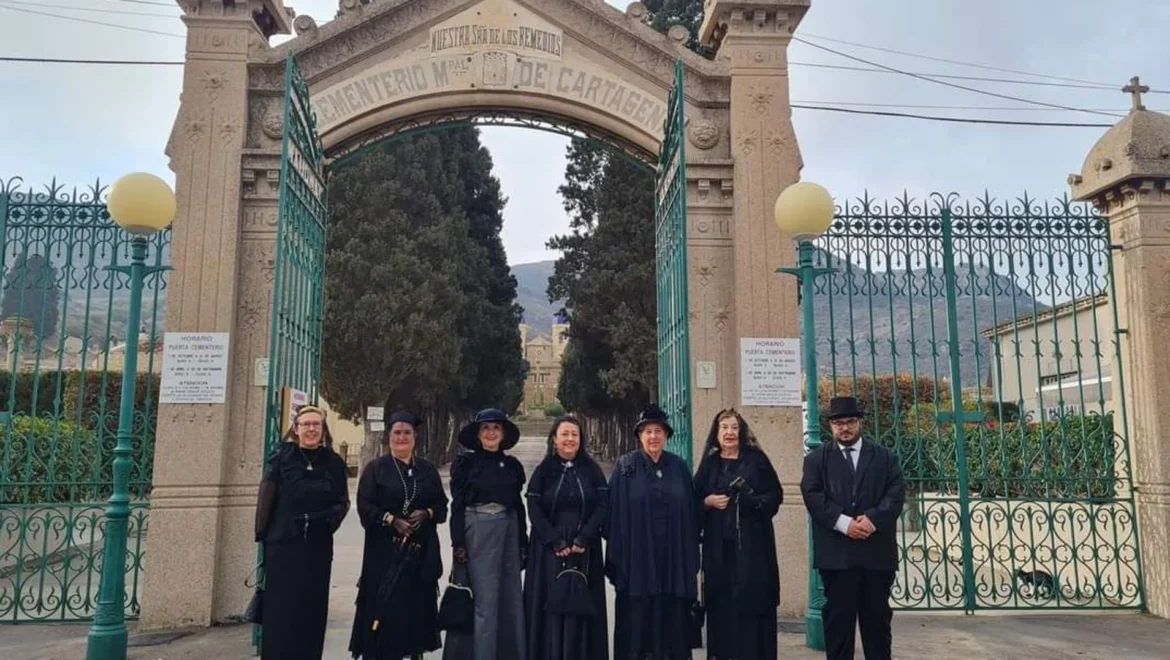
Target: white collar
{"type": "Point", "coordinates": [856, 445]}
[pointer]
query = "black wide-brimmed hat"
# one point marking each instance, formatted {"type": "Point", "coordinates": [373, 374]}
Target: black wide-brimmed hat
{"type": "Point", "coordinates": [656, 415]}
{"type": "Point", "coordinates": [469, 434]}
{"type": "Point", "coordinates": [845, 407]}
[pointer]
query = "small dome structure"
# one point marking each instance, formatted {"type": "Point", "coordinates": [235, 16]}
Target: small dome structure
{"type": "Point", "coordinates": [1137, 147]}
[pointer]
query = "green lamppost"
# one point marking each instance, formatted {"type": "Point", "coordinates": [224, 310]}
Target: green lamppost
{"type": "Point", "coordinates": [142, 204]}
{"type": "Point", "coordinates": [803, 212]}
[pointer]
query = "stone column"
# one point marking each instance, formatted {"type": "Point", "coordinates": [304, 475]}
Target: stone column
{"type": "Point", "coordinates": [1127, 177]}
{"type": "Point", "coordinates": [194, 570]}
{"type": "Point", "coordinates": [753, 38]}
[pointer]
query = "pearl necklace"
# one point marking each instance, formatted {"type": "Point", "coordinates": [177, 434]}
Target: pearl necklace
{"type": "Point", "coordinates": [407, 493]}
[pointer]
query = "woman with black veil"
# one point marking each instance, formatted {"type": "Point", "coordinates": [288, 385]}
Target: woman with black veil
{"type": "Point", "coordinates": [738, 493]}
{"type": "Point", "coordinates": [401, 503]}
{"type": "Point", "coordinates": [564, 584]}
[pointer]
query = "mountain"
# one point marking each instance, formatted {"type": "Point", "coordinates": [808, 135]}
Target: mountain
{"type": "Point", "coordinates": [897, 319]}
{"type": "Point", "coordinates": [531, 294]}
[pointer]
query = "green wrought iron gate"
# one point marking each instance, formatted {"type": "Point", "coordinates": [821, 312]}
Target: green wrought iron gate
{"type": "Point", "coordinates": [983, 338]}
{"type": "Point", "coordinates": [670, 211]}
{"type": "Point", "coordinates": [298, 290]}
{"type": "Point", "coordinates": [298, 294]}
{"type": "Point", "coordinates": [63, 338]}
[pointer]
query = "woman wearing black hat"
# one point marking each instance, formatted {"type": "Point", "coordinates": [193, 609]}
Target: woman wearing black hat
{"type": "Point", "coordinates": [738, 494]}
{"type": "Point", "coordinates": [489, 534]}
{"type": "Point", "coordinates": [401, 503]}
{"type": "Point", "coordinates": [652, 557]}
{"type": "Point", "coordinates": [303, 499]}
{"type": "Point", "coordinates": [564, 585]}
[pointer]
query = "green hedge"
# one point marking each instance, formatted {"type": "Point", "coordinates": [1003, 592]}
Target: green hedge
{"type": "Point", "coordinates": [61, 448]}
{"type": "Point", "coordinates": [45, 461]}
{"type": "Point", "coordinates": [1070, 458]}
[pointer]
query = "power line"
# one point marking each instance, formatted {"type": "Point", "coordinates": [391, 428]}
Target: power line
{"type": "Point", "coordinates": [53, 60]}
{"type": "Point", "coordinates": [11, 3]}
{"type": "Point", "coordinates": [989, 108]}
{"type": "Point", "coordinates": [149, 2]}
{"type": "Point", "coordinates": [86, 20]}
{"type": "Point", "coordinates": [955, 120]}
{"type": "Point", "coordinates": [954, 85]}
{"type": "Point", "coordinates": [1010, 81]}
{"type": "Point", "coordinates": [958, 62]}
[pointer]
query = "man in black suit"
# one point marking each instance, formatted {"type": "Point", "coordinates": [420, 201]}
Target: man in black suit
{"type": "Point", "coordinates": [853, 491]}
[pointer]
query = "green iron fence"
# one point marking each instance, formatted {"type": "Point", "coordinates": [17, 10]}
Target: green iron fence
{"type": "Point", "coordinates": [62, 338]}
{"type": "Point", "coordinates": [674, 345]}
{"type": "Point", "coordinates": [983, 339]}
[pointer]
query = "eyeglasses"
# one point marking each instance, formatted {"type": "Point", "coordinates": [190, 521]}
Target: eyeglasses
{"type": "Point", "coordinates": [845, 422]}
{"type": "Point", "coordinates": [309, 425]}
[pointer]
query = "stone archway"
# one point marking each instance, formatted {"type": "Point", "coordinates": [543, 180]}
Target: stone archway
{"type": "Point", "coordinates": [391, 65]}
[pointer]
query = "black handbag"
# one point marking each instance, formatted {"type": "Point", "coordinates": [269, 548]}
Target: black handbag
{"type": "Point", "coordinates": [569, 593]}
{"type": "Point", "coordinates": [457, 610]}
{"type": "Point", "coordinates": [695, 619]}
{"type": "Point", "coordinates": [254, 613]}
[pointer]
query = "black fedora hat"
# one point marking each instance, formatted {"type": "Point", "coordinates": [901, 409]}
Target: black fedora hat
{"type": "Point", "coordinates": [656, 415]}
{"type": "Point", "coordinates": [845, 407]}
{"type": "Point", "coordinates": [469, 434]}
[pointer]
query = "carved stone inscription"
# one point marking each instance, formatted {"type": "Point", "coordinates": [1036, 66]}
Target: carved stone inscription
{"type": "Point", "coordinates": [499, 51]}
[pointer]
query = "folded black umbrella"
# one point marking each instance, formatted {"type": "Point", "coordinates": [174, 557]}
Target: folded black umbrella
{"type": "Point", "coordinates": [403, 560]}
{"type": "Point", "coordinates": [569, 594]}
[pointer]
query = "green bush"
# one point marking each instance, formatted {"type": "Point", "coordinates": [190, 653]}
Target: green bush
{"type": "Point", "coordinates": [1072, 458]}
{"type": "Point", "coordinates": [45, 460]}
{"type": "Point", "coordinates": [25, 401]}
{"type": "Point", "coordinates": [96, 401]}
{"type": "Point", "coordinates": [554, 410]}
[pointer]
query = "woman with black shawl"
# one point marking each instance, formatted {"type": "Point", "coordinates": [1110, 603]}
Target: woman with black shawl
{"type": "Point", "coordinates": [738, 494]}
{"type": "Point", "coordinates": [303, 499]}
{"type": "Point", "coordinates": [652, 557]}
{"type": "Point", "coordinates": [401, 503]}
{"type": "Point", "coordinates": [567, 503]}
{"type": "Point", "coordinates": [490, 535]}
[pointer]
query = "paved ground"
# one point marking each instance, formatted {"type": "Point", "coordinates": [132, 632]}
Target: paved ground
{"type": "Point", "coordinates": [916, 637]}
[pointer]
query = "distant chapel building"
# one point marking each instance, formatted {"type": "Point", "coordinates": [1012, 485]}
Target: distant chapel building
{"type": "Point", "coordinates": [544, 364]}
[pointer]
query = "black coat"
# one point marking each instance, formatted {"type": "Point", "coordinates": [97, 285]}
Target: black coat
{"type": "Point", "coordinates": [652, 527]}
{"type": "Point", "coordinates": [749, 518]}
{"type": "Point", "coordinates": [567, 506]}
{"type": "Point", "coordinates": [406, 613]}
{"type": "Point", "coordinates": [830, 489]}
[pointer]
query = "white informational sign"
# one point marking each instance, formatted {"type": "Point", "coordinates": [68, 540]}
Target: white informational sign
{"type": "Point", "coordinates": [375, 413]}
{"type": "Point", "coordinates": [769, 372]}
{"type": "Point", "coordinates": [705, 375]}
{"type": "Point", "coordinates": [260, 375]}
{"type": "Point", "coordinates": [195, 366]}
{"type": "Point", "coordinates": [377, 427]}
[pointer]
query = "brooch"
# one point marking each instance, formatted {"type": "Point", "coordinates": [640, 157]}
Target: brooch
{"type": "Point", "coordinates": [659, 473]}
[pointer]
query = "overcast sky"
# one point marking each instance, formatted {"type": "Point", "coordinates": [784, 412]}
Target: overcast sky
{"type": "Point", "coordinates": [77, 123]}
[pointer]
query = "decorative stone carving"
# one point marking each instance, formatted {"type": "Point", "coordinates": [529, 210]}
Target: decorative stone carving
{"type": "Point", "coordinates": [213, 81]}
{"type": "Point", "coordinates": [636, 10]}
{"type": "Point", "coordinates": [761, 98]}
{"type": "Point", "coordinates": [776, 141]}
{"type": "Point", "coordinates": [196, 127]}
{"type": "Point", "coordinates": [748, 142]}
{"type": "Point", "coordinates": [273, 124]}
{"type": "Point", "coordinates": [228, 130]}
{"type": "Point", "coordinates": [706, 270]}
{"type": "Point", "coordinates": [679, 34]}
{"type": "Point", "coordinates": [704, 134]}
{"type": "Point", "coordinates": [305, 25]}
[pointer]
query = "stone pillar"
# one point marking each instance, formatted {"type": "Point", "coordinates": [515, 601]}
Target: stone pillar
{"type": "Point", "coordinates": [1127, 177]}
{"type": "Point", "coordinates": [753, 38]}
{"type": "Point", "coordinates": [205, 470]}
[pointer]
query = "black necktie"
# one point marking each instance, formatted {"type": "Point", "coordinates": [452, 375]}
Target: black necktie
{"type": "Point", "coordinates": [849, 458]}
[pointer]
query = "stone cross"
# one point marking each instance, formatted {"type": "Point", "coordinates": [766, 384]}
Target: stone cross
{"type": "Point", "coordinates": [1135, 89]}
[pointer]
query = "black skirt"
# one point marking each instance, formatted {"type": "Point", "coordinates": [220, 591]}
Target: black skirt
{"type": "Point", "coordinates": [296, 599]}
{"type": "Point", "coordinates": [397, 608]}
{"type": "Point", "coordinates": [651, 628]}
{"type": "Point", "coordinates": [553, 636]}
{"type": "Point", "coordinates": [735, 632]}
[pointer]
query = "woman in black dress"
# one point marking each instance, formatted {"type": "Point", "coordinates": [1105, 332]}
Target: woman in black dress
{"type": "Point", "coordinates": [738, 494]}
{"type": "Point", "coordinates": [567, 502]}
{"type": "Point", "coordinates": [401, 503]}
{"type": "Point", "coordinates": [490, 536]}
{"type": "Point", "coordinates": [303, 499]}
{"type": "Point", "coordinates": [652, 557]}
